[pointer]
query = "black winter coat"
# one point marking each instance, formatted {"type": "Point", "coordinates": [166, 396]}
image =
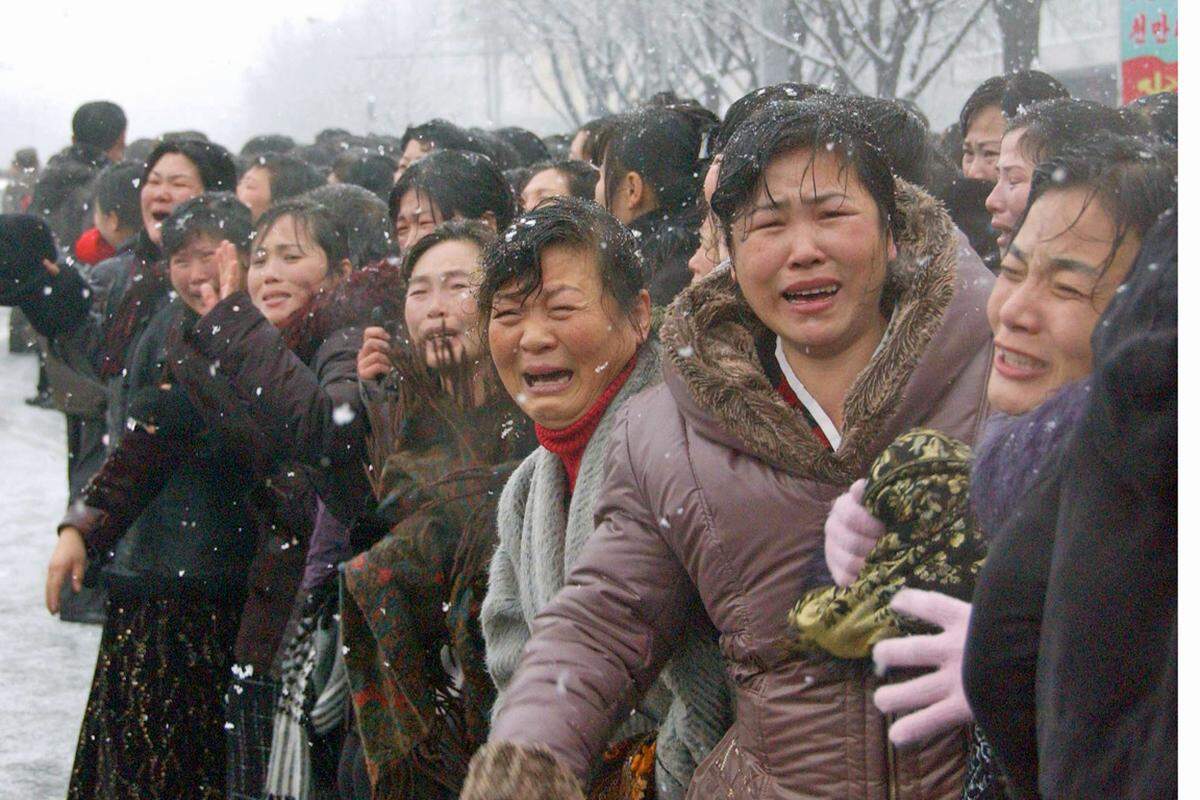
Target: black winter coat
{"type": "Point", "coordinates": [62, 194]}
{"type": "Point", "coordinates": [1107, 679]}
{"type": "Point", "coordinates": [188, 522]}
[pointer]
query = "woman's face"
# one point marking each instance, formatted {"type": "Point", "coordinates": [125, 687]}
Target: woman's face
{"type": "Point", "coordinates": [547, 183]}
{"type": "Point", "coordinates": [707, 255]}
{"type": "Point", "coordinates": [254, 190]}
{"type": "Point", "coordinates": [193, 266]}
{"type": "Point", "coordinates": [286, 269]}
{"type": "Point", "coordinates": [416, 217]}
{"type": "Point", "coordinates": [811, 255]}
{"type": "Point", "coordinates": [981, 144]}
{"type": "Point", "coordinates": [439, 308]}
{"type": "Point", "coordinates": [557, 350]}
{"type": "Point", "coordinates": [172, 180]}
{"type": "Point", "coordinates": [1051, 290]}
{"type": "Point", "coordinates": [414, 151]}
{"type": "Point", "coordinates": [1011, 193]}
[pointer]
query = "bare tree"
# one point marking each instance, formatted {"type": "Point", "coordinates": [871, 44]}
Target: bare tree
{"type": "Point", "coordinates": [1020, 26]}
{"type": "Point", "coordinates": [888, 48]}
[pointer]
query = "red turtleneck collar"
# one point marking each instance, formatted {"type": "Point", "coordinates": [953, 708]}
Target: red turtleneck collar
{"type": "Point", "coordinates": [570, 442]}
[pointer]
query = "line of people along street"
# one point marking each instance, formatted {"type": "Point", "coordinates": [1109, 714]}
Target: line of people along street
{"type": "Point", "coordinates": [802, 451]}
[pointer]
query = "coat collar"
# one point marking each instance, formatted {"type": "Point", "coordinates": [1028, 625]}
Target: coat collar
{"type": "Point", "coordinates": [712, 340]}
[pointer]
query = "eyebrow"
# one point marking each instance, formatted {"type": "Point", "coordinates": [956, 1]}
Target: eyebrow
{"type": "Point", "coordinates": [812, 201]}
{"type": "Point", "coordinates": [1018, 253]}
{"type": "Point", "coordinates": [1073, 265]}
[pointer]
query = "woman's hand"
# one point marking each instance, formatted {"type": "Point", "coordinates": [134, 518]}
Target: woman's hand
{"type": "Point", "coordinates": [373, 360]}
{"type": "Point", "coordinates": [850, 535]}
{"type": "Point", "coordinates": [69, 560]}
{"type": "Point", "coordinates": [936, 699]}
{"type": "Point", "coordinates": [231, 278]}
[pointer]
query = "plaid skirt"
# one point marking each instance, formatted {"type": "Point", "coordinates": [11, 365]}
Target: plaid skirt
{"type": "Point", "coordinates": [154, 724]}
{"type": "Point", "coordinates": [250, 714]}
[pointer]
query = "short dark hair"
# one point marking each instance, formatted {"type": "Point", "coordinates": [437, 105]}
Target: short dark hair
{"type": "Point", "coordinates": [289, 175]}
{"type": "Point", "coordinates": [1161, 113]}
{"type": "Point", "coordinates": [332, 136]}
{"type": "Point", "coordinates": [317, 222]}
{"type": "Point", "coordinates": [558, 145]}
{"type": "Point", "coordinates": [26, 158]}
{"type": "Point", "coordinates": [175, 136]}
{"type": "Point", "coordinates": [268, 143]}
{"type": "Point", "coordinates": [1054, 126]}
{"type": "Point", "coordinates": [751, 103]}
{"type": "Point", "coordinates": [219, 215]}
{"type": "Point", "coordinates": [218, 172]}
{"type": "Point", "coordinates": [1013, 93]}
{"type": "Point", "coordinates": [526, 143]}
{"type": "Point", "coordinates": [1134, 179]}
{"type": "Point", "coordinates": [364, 218]}
{"type": "Point", "coordinates": [373, 172]}
{"type": "Point", "coordinates": [459, 230]}
{"type": "Point", "coordinates": [441, 133]}
{"type": "Point", "coordinates": [100, 124]}
{"type": "Point", "coordinates": [567, 222]}
{"type": "Point", "coordinates": [902, 134]}
{"type": "Point", "coordinates": [581, 176]}
{"type": "Point", "coordinates": [660, 144]}
{"type": "Point", "coordinates": [459, 183]}
{"type": "Point", "coordinates": [594, 129]}
{"type": "Point", "coordinates": [811, 125]}
{"type": "Point", "coordinates": [518, 178]}
{"type": "Point", "coordinates": [118, 191]}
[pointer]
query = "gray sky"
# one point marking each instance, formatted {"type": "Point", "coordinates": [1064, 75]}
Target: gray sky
{"type": "Point", "coordinates": [170, 65]}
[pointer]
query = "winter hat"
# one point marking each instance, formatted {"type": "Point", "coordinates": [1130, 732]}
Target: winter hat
{"type": "Point", "coordinates": [25, 240]}
{"type": "Point", "coordinates": [216, 166]}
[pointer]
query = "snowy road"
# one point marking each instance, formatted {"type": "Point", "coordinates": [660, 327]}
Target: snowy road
{"type": "Point", "coordinates": [45, 665]}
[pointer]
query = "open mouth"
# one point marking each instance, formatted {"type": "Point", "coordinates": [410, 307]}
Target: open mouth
{"type": "Point", "coordinates": [159, 216]}
{"type": "Point", "coordinates": [1012, 364]}
{"type": "Point", "coordinates": [810, 295]}
{"type": "Point", "coordinates": [546, 381]}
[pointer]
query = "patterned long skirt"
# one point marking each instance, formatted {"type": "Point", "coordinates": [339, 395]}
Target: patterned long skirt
{"type": "Point", "coordinates": [155, 725]}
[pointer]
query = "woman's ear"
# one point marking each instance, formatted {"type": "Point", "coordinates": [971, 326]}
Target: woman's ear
{"type": "Point", "coordinates": [641, 316]}
{"type": "Point", "coordinates": [343, 270]}
{"type": "Point", "coordinates": [636, 191]}
{"type": "Point", "coordinates": [489, 219]}
{"type": "Point", "coordinates": [892, 251]}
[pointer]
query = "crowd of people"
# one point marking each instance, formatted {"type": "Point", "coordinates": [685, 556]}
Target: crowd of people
{"type": "Point", "coordinates": [799, 452]}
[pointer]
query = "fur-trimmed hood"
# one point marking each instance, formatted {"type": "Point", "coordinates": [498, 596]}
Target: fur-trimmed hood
{"type": "Point", "coordinates": [372, 295]}
{"type": "Point", "coordinates": [712, 339]}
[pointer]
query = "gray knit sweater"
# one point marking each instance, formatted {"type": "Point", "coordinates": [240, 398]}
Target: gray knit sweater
{"type": "Point", "coordinates": [540, 537]}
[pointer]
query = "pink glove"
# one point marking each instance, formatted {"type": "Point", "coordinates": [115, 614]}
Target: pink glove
{"type": "Point", "coordinates": [850, 534]}
{"type": "Point", "coordinates": [936, 698]}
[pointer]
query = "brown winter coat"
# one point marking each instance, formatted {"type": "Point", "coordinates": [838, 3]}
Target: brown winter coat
{"type": "Point", "coordinates": [715, 497]}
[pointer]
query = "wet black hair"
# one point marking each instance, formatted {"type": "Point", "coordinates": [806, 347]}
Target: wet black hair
{"type": "Point", "coordinates": [1012, 93]}
{"type": "Point", "coordinates": [363, 217]}
{"type": "Point", "coordinates": [100, 124]}
{"type": "Point", "coordinates": [903, 135]}
{"type": "Point", "coordinates": [332, 136]}
{"type": "Point", "coordinates": [784, 127]}
{"type": "Point", "coordinates": [320, 157]}
{"type": "Point", "coordinates": [663, 146]}
{"type": "Point", "coordinates": [139, 149]}
{"type": "Point", "coordinates": [526, 143]}
{"type": "Point", "coordinates": [217, 215]}
{"type": "Point", "coordinates": [518, 178]}
{"type": "Point", "coordinates": [502, 154]}
{"type": "Point", "coordinates": [459, 183]}
{"type": "Point", "coordinates": [1161, 113]}
{"type": "Point", "coordinates": [581, 176]}
{"type": "Point", "coordinates": [442, 134]}
{"type": "Point", "coordinates": [569, 222]}
{"type": "Point", "coordinates": [318, 223]}
{"type": "Point", "coordinates": [268, 143]}
{"type": "Point", "coordinates": [218, 172]}
{"type": "Point", "coordinates": [375, 173]}
{"type": "Point", "coordinates": [751, 103]}
{"type": "Point", "coordinates": [289, 175]}
{"type": "Point", "coordinates": [459, 230]}
{"type": "Point", "coordinates": [1134, 179]}
{"type": "Point", "coordinates": [558, 146]}
{"type": "Point", "coordinates": [118, 191]}
{"type": "Point", "coordinates": [175, 136]}
{"type": "Point", "coordinates": [1054, 126]}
